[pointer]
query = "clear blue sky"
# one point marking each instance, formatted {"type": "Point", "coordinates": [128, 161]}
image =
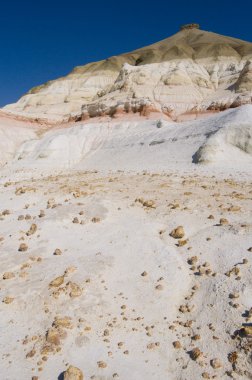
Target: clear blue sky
{"type": "Point", "coordinates": [43, 40]}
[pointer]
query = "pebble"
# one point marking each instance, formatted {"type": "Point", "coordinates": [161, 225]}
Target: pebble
{"type": "Point", "coordinates": [178, 232]}
{"type": "Point", "coordinates": [73, 373]}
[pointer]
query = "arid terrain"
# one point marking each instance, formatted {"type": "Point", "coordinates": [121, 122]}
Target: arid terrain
{"type": "Point", "coordinates": [126, 217]}
{"type": "Point", "coordinates": [91, 276]}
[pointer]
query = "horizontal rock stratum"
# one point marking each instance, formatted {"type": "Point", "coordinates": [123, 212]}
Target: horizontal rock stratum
{"type": "Point", "coordinates": [189, 73]}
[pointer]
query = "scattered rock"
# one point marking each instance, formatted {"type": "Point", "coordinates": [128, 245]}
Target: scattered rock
{"type": "Point", "coordinates": [146, 203]}
{"type": "Point", "coordinates": [152, 346]}
{"type": "Point", "coordinates": [101, 364]}
{"type": "Point", "coordinates": [223, 222]}
{"type": "Point", "coordinates": [57, 281]}
{"type": "Point", "coordinates": [234, 295]}
{"type": "Point", "coordinates": [76, 290]}
{"type": "Point", "coordinates": [178, 232]}
{"type": "Point", "coordinates": [8, 275]}
{"type": "Point", "coordinates": [246, 331]}
{"type": "Point", "coordinates": [232, 357]}
{"type": "Point", "coordinates": [196, 337]}
{"type": "Point", "coordinates": [57, 252]}
{"type": "Point", "coordinates": [205, 375]}
{"type": "Point", "coordinates": [181, 242]}
{"type": "Point", "coordinates": [6, 212]}
{"type": "Point", "coordinates": [195, 353]}
{"type": "Point", "coordinates": [32, 230]}
{"type": "Point", "coordinates": [73, 373]}
{"type": "Point", "coordinates": [176, 344]}
{"type": "Point", "coordinates": [41, 214]}
{"type": "Point", "coordinates": [54, 336]}
{"type": "Point", "coordinates": [216, 363]}
{"type": "Point", "coordinates": [8, 300]}
{"type": "Point", "coordinates": [95, 220]}
{"type": "Point", "coordinates": [106, 332]}
{"type": "Point", "coordinates": [64, 322]}
{"type": "Point", "coordinates": [23, 247]}
{"type": "Point", "coordinates": [31, 353]}
{"type": "Point", "coordinates": [192, 260]}
{"type": "Point", "coordinates": [234, 208]}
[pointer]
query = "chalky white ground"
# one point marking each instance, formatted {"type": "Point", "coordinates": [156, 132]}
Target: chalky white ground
{"type": "Point", "coordinates": [96, 171]}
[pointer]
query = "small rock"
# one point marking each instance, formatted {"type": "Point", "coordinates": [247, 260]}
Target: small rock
{"type": "Point", "coordinates": [192, 260]}
{"type": "Point", "coordinates": [65, 322]}
{"type": "Point", "coordinates": [216, 363]}
{"type": "Point", "coordinates": [234, 208]}
{"type": "Point", "coordinates": [181, 242]}
{"type": "Point", "coordinates": [32, 230]}
{"type": "Point", "coordinates": [196, 337]}
{"type": "Point", "coordinates": [101, 364]}
{"type": "Point", "coordinates": [234, 295]}
{"type": "Point", "coordinates": [57, 281]}
{"type": "Point", "coordinates": [144, 274]}
{"type": "Point", "coordinates": [205, 375]}
{"type": "Point", "coordinates": [246, 331]}
{"type": "Point", "coordinates": [73, 373]}
{"type": "Point", "coordinates": [54, 336]}
{"type": "Point", "coordinates": [176, 344]}
{"type": "Point", "coordinates": [8, 275]}
{"type": "Point", "coordinates": [6, 212]}
{"type": "Point", "coordinates": [149, 203]}
{"type": "Point", "coordinates": [195, 353]}
{"type": "Point", "coordinates": [152, 346]}
{"type": "Point", "coordinates": [223, 221]}
{"type": "Point", "coordinates": [178, 232]}
{"type": "Point", "coordinates": [41, 214]}
{"type": "Point", "coordinates": [106, 332]}
{"type": "Point", "coordinates": [232, 357]}
{"type": "Point", "coordinates": [31, 354]}
{"type": "Point", "coordinates": [57, 252]}
{"type": "Point", "coordinates": [76, 290]}
{"type": "Point", "coordinates": [8, 300]}
{"type": "Point", "coordinates": [95, 219]}
{"type": "Point", "coordinates": [23, 247]}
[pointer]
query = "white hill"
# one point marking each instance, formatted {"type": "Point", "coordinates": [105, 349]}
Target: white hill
{"type": "Point", "coordinates": [186, 74]}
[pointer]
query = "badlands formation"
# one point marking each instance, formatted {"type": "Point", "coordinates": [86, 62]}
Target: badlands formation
{"type": "Point", "coordinates": [189, 73]}
{"type": "Point", "coordinates": [126, 218]}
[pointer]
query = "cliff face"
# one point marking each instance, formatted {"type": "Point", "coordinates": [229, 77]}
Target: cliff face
{"type": "Point", "coordinates": [191, 72]}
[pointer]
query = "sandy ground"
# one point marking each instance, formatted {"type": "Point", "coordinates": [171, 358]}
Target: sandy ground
{"type": "Point", "coordinates": [121, 298]}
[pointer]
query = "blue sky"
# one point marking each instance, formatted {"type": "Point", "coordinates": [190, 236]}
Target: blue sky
{"type": "Point", "coordinates": [43, 40]}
